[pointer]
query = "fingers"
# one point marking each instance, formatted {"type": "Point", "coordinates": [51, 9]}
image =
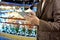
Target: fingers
{"type": "Point", "coordinates": [32, 13]}
{"type": "Point", "coordinates": [27, 17]}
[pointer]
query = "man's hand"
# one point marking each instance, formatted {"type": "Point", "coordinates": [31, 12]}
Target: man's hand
{"type": "Point", "coordinates": [32, 18]}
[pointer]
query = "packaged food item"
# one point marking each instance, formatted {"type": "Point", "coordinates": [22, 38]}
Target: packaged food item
{"type": "Point", "coordinates": [21, 30]}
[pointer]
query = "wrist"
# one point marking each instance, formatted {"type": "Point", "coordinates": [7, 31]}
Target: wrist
{"type": "Point", "coordinates": [38, 21]}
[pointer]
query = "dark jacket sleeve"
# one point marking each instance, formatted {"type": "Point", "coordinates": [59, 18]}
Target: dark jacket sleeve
{"type": "Point", "coordinates": [52, 26]}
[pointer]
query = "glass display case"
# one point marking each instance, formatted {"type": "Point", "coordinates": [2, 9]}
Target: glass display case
{"type": "Point", "coordinates": [13, 25]}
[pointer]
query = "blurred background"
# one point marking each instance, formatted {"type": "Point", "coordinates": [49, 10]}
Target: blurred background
{"type": "Point", "coordinates": [13, 26]}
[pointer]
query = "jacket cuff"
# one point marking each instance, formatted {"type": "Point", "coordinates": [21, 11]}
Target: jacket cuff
{"type": "Point", "coordinates": [44, 26]}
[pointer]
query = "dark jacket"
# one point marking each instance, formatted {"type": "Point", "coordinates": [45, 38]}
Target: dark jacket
{"type": "Point", "coordinates": [49, 28]}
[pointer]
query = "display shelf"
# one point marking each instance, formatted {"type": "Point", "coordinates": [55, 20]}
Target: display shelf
{"type": "Point", "coordinates": [13, 18]}
{"type": "Point", "coordinates": [14, 4]}
{"type": "Point", "coordinates": [16, 37]}
{"type": "Point", "coordinates": [16, 22]}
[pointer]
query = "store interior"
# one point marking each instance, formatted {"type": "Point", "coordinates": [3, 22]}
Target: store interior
{"type": "Point", "coordinates": [13, 26]}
